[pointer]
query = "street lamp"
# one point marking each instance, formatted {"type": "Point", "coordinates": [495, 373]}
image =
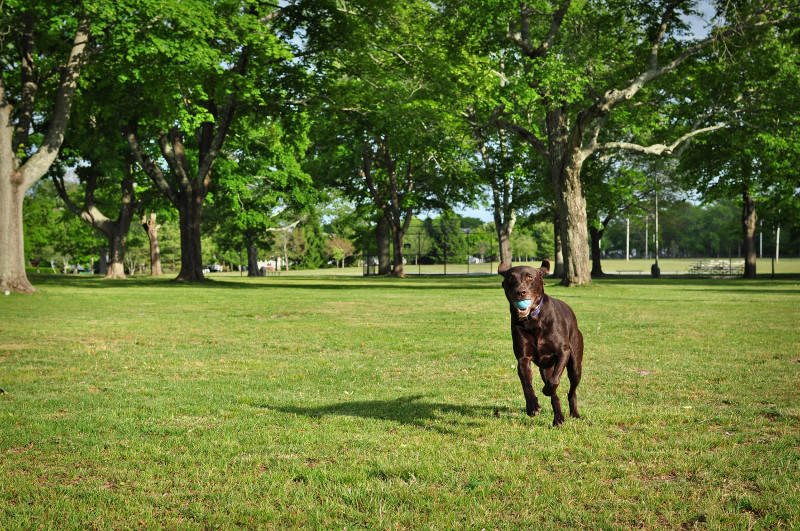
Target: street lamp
{"type": "Point", "coordinates": [655, 271]}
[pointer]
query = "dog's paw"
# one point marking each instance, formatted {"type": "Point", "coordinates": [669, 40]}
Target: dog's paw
{"type": "Point", "coordinates": [533, 411]}
{"type": "Point", "coordinates": [558, 421]}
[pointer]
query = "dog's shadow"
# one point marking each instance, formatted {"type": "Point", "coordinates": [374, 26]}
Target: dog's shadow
{"type": "Point", "coordinates": [411, 410]}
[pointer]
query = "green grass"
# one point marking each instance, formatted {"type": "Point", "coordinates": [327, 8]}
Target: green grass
{"type": "Point", "coordinates": [345, 402]}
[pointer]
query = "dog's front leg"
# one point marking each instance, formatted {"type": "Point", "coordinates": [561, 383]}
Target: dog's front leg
{"type": "Point", "coordinates": [532, 407]}
{"type": "Point", "coordinates": [551, 376]}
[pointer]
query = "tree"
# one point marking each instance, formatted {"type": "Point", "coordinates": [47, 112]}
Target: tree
{"type": "Point", "coordinates": [449, 244]}
{"type": "Point", "coordinates": [37, 84]}
{"type": "Point", "coordinates": [178, 103]}
{"type": "Point", "coordinates": [151, 229]}
{"type": "Point", "coordinates": [383, 134]}
{"type": "Point", "coordinates": [260, 182]}
{"type": "Point", "coordinates": [116, 231]}
{"type": "Point", "coordinates": [577, 66]}
{"type": "Point", "coordinates": [756, 156]}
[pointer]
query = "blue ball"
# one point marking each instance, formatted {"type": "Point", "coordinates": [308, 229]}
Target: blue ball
{"type": "Point", "coordinates": [522, 304]}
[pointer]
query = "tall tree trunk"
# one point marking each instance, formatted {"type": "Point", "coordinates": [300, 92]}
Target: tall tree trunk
{"type": "Point", "coordinates": [116, 255]}
{"type": "Point", "coordinates": [190, 211]}
{"type": "Point", "coordinates": [749, 218]}
{"type": "Point", "coordinates": [566, 161]}
{"type": "Point", "coordinates": [504, 243]}
{"type": "Point", "coordinates": [12, 240]}
{"type": "Point", "coordinates": [398, 234]}
{"type": "Point", "coordinates": [596, 236]}
{"type": "Point", "coordinates": [504, 209]}
{"type": "Point", "coordinates": [150, 227]}
{"type": "Point", "coordinates": [383, 235]}
{"type": "Point", "coordinates": [252, 260]}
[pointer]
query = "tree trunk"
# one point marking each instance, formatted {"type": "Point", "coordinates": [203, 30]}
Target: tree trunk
{"type": "Point", "coordinates": [397, 243]}
{"type": "Point", "coordinates": [116, 255]}
{"type": "Point", "coordinates": [505, 213]}
{"type": "Point", "coordinates": [150, 227]}
{"type": "Point", "coordinates": [384, 239]}
{"type": "Point", "coordinates": [565, 160]}
{"type": "Point", "coordinates": [252, 260]}
{"type": "Point", "coordinates": [749, 218]}
{"type": "Point", "coordinates": [12, 241]}
{"type": "Point", "coordinates": [596, 236]}
{"type": "Point", "coordinates": [504, 243]}
{"type": "Point", "coordinates": [190, 213]}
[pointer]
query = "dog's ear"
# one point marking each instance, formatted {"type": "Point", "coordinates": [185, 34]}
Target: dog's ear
{"type": "Point", "coordinates": [545, 269]}
{"type": "Point", "coordinates": [502, 269]}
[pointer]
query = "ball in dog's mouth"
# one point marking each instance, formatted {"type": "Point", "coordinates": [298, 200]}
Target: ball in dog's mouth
{"type": "Point", "coordinates": [523, 307]}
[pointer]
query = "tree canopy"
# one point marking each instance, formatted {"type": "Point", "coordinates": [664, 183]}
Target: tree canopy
{"type": "Point", "coordinates": [248, 117]}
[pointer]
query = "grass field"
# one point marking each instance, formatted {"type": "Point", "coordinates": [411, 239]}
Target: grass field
{"type": "Point", "coordinates": [345, 402]}
{"type": "Point", "coordinates": [640, 266]}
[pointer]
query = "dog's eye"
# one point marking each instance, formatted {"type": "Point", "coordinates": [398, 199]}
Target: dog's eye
{"type": "Point", "coordinates": [529, 277]}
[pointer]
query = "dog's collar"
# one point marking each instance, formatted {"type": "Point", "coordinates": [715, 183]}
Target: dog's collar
{"type": "Point", "coordinates": [533, 313]}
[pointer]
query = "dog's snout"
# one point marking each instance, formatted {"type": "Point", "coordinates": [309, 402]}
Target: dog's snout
{"type": "Point", "coordinates": [522, 292]}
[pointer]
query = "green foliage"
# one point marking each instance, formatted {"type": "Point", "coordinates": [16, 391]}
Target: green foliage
{"type": "Point", "coordinates": [311, 244]}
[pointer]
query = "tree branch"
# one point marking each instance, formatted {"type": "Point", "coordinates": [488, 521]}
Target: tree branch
{"type": "Point", "coordinates": [39, 162]}
{"type": "Point", "coordinates": [496, 120]}
{"type": "Point", "coordinates": [670, 151]}
{"type": "Point", "coordinates": [148, 166]}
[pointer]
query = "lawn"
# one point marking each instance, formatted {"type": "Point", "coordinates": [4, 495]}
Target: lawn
{"type": "Point", "coordinates": [346, 402]}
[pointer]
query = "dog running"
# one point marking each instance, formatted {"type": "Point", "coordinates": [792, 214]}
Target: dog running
{"type": "Point", "coordinates": [544, 330]}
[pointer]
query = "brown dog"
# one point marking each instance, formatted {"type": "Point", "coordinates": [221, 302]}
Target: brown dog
{"type": "Point", "coordinates": [546, 333]}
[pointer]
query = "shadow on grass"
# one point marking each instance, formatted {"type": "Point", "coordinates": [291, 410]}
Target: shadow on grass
{"type": "Point", "coordinates": [408, 410]}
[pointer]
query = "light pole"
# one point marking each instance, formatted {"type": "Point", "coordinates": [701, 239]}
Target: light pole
{"type": "Point", "coordinates": [655, 271]}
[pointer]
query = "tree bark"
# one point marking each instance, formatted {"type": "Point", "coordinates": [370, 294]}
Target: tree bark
{"type": "Point", "coordinates": [150, 227]}
{"type": "Point", "coordinates": [16, 178]}
{"type": "Point", "coordinates": [504, 243]}
{"type": "Point", "coordinates": [190, 211]}
{"type": "Point", "coordinates": [116, 255]}
{"type": "Point", "coordinates": [252, 260]}
{"type": "Point", "coordinates": [383, 237]}
{"type": "Point", "coordinates": [749, 218]}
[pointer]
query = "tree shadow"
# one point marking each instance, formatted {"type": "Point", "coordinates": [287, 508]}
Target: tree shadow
{"type": "Point", "coordinates": [411, 410]}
